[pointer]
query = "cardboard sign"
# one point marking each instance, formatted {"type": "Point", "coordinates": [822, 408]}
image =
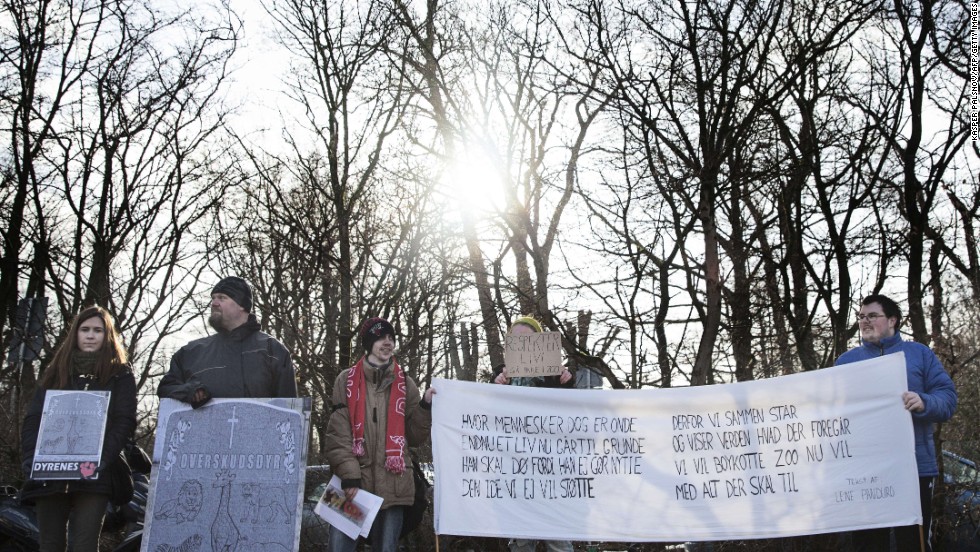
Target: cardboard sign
{"type": "Point", "coordinates": [69, 442]}
{"type": "Point", "coordinates": [817, 452]}
{"type": "Point", "coordinates": [532, 355]}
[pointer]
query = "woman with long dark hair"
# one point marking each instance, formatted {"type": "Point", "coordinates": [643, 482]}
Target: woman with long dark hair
{"type": "Point", "coordinates": [92, 357]}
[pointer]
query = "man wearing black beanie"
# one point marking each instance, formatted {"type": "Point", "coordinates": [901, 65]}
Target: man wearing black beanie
{"type": "Point", "coordinates": [239, 361]}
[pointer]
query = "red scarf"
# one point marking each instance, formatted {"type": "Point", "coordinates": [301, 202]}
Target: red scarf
{"type": "Point", "coordinates": [395, 442]}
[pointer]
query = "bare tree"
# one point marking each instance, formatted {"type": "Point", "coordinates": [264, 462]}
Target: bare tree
{"type": "Point", "coordinates": [825, 197]}
{"type": "Point", "coordinates": [919, 76]}
{"type": "Point", "coordinates": [115, 134]}
{"type": "Point", "coordinates": [333, 228]}
{"type": "Point", "coordinates": [536, 110]}
{"type": "Point", "coordinates": [423, 55]}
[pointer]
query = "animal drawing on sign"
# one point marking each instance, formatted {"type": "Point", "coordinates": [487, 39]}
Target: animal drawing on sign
{"type": "Point", "coordinates": [187, 504]}
{"type": "Point", "coordinates": [288, 441]}
{"type": "Point", "coordinates": [245, 546]}
{"type": "Point", "coordinates": [224, 532]}
{"type": "Point", "coordinates": [263, 502]}
{"type": "Point", "coordinates": [87, 442]}
{"type": "Point", "coordinates": [190, 544]}
{"type": "Point", "coordinates": [176, 438]}
{"type": "Point", "coordinates": [50, 446]}
{"type": "Point", "coordinates": [73, 435]}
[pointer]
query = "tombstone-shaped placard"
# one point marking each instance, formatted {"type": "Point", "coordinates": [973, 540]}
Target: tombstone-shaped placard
{"type": "Point", "coordinates": [69, 441]}
{"type": "Point", "coordinates": [228, 476]}
{"type": "Point", "coordinates": [532, 355]}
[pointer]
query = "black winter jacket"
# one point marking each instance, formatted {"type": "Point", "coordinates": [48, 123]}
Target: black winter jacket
{"type": "Point", "coordinates": [242, 363]}
{"type": "Point", "coordinates": [120, 425]}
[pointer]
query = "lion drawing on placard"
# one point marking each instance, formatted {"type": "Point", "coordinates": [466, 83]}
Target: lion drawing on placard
{"type": "Point", "coordinates": [187, 504]}
{"type": "Point", "coordinates": [266, 502]}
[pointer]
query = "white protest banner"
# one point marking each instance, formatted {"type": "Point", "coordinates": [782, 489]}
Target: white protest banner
{"type": "Point", "coordinates": [228, 476]}
{"type": "Point", "coordinates": [817, 452]}
{"type": "Point", "coordinates": [69, 443]}
{"type": "Point", "coordinates": [532, 355]}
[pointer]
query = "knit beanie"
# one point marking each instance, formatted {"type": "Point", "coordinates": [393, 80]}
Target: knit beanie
{"type": "Point", "coordinates": [236, 288]}
{"type": "Point", "coordinates": [374, 329]}
{"type": "Point", "coordinates": [528, 321]}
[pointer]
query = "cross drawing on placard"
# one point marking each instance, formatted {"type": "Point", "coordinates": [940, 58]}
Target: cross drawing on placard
{"type": "Point", "coordinates": [233, 420]}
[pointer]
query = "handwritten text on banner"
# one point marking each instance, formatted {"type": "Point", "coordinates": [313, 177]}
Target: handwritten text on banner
{"type": "Point", "coordinates": [818, 452]}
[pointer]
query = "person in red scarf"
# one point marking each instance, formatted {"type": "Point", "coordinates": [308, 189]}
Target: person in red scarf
{"type": "Point", "coordinates": [378, 414]}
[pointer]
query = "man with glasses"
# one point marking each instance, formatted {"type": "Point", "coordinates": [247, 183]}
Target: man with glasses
{"type": "Point", "coordinates": [930, 399]}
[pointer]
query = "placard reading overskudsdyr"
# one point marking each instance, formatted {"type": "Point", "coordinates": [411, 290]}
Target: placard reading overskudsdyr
{"type": "Point", "coordinates": [228, 475]}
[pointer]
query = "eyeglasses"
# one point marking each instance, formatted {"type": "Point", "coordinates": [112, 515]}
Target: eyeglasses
{"type": "Point", "coordinates": [871, 316]}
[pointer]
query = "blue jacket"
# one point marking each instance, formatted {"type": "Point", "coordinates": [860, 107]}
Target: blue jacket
{"type": "Point", "coordinates": [928, 378]}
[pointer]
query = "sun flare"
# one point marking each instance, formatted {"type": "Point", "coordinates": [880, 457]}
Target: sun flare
{"type": "Point", "coordinates": [474, 181]}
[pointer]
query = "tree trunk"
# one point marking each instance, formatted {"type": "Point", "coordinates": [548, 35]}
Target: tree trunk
{"type": "Point", "coordinates": [701, 374]}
